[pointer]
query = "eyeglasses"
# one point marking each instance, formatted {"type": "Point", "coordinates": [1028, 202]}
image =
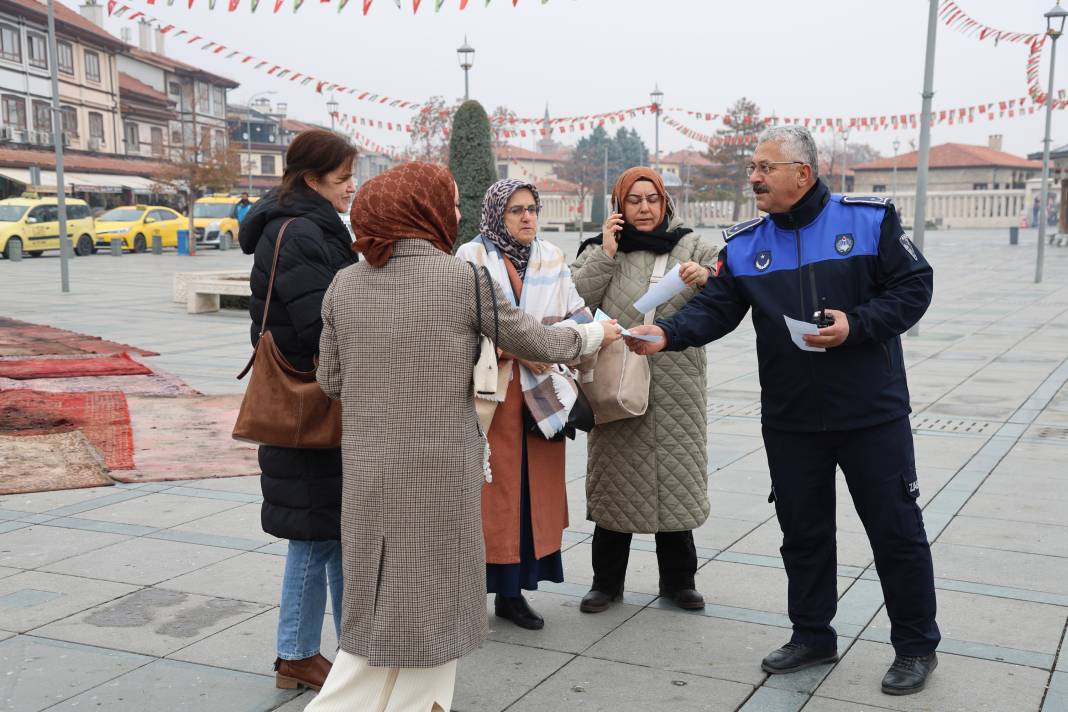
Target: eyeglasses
{"type": "Point", "coordinates": [516, 211]}
{"type": "Point", "coordinates": [767, 167]}
{"type": "Point", "coordinates": [653, 199]}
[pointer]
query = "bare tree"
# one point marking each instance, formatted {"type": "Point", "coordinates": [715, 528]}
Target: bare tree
{"type": "Point", "coordinates": [198, 170]}
{"type": "Point", "coordinates": [729, 152]}
{"type": "Point", "coordinates": [501, 118]}
{"type": "Point", "coordinates": [430, 131]}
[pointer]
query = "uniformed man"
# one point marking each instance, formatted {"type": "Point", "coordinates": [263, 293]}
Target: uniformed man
{"type": "Point", "coordinates": [847, 263]}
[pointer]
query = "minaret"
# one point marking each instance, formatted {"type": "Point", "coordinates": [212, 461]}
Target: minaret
{"type": "Point", "coordinates": [547, 144]}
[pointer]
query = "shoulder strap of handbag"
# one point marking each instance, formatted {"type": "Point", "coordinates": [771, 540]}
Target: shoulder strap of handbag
{"type": "Point", "coordinates": [270, 292]}
{"type": "Point", "coordinates": [659, 267]}
{"type": "Point", "coordinates": [493, 296]}
{"type": "Point", "coordinates": [478, 308]}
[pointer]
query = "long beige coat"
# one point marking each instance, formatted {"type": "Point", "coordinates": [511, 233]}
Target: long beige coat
{"type": "Point", "coordinates": [649, 474]}
{"type": "Point", "coordinates": [397, 347]}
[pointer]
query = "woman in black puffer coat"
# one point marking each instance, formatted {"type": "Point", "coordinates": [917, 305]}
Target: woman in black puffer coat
{"type": "Point", "coordinates": [302, 487]}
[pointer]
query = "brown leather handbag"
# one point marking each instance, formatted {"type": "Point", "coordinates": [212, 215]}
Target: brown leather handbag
{"type": "Point", "coordinates": [282, 406]}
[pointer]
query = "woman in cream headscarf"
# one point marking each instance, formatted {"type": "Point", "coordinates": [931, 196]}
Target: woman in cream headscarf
{"type": "Point", "coordinates": [400, 336]}
{"type": "Point", "coordinates": [647, 474]}
{"type": "Point", "coordinates": [524, 506]}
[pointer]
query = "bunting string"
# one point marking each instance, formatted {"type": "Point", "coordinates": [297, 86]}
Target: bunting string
{"type": "Point", "coordinates": [233, 5]}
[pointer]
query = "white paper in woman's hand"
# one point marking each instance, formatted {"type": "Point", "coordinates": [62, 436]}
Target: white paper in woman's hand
{"type": "Point", "coordinates": [668, 286]}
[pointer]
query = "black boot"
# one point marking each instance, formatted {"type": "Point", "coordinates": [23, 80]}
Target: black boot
{"type": "Point", "coordinates": [688, 599]}
{"type": "Point", "coordinates": [518, 611]}
{"type": "Point", "coordinates": [796, 656]}
{"type": "Point", "coordinates": [908, 674]}
{"type": "Point", "coordinates": [596, 601]}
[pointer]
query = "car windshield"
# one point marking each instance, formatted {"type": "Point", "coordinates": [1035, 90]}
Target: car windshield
{"type": "Point", "coordinates": [122, 215]}
{"type": "Point", "coordinates": [11, 213]}
{"type": "Point", "coordinates": [212, 210]}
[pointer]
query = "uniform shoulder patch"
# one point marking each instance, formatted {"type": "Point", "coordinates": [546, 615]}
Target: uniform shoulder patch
{"type": "Point", "coordinates": [867, 200]}
{"type": "Point", "coordinates": [735, 230]}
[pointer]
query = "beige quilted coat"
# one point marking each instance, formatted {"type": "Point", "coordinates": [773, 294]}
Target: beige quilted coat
{"type": "Point", "coordinates": [649, 474]}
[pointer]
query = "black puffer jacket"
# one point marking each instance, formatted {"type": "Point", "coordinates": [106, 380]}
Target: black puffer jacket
{"type": "Point", "coordinates": [301, 488]}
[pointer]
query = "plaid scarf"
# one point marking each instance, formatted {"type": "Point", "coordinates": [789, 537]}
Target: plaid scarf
{"type": "Point", "coordinates": [549, 295]}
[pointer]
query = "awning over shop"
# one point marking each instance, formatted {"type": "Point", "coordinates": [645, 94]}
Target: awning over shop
{"type": "Point", "coordinates": [86, 182]}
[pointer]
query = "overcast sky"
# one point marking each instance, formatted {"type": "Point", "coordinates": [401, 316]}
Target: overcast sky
{"type": "Point", "coordinates": [814, 58]}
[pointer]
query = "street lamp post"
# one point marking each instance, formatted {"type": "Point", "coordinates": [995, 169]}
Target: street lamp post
{"type": "Point", "coordinates": [1054, 29]}
{"type": "Point", "coordinates": [657, 97]}
{"type": "Point", "coordinates": [466, 54]}
{"type": "Point", "coordinates": [845, 158]}
{"type": "Point", "coordinates": [57, 138]}
{"type": "Point", "coordinates": [897, 146]}
{"type": "Point", "coordinates": [332, 106]}
{"type": "Point", "coordinates": [248, 116]}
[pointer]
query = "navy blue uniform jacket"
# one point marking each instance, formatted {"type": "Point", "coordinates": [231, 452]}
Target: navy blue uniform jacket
{"type": "Point", "coordinates": [846, 253]}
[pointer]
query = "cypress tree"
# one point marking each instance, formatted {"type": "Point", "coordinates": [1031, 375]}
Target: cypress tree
{"type": "Point", "coordinates": [472, 164]}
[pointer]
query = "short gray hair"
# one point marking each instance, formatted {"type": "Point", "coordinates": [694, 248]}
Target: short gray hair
{"type": "Point", "coordinates": [797, 142]}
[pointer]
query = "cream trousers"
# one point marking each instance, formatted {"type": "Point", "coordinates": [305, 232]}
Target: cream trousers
{"type": "Point", "coordinates": [355, 686]}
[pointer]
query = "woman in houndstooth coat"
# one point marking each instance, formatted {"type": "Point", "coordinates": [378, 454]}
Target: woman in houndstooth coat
{"type": "Point", "coordinates": [400, 336]}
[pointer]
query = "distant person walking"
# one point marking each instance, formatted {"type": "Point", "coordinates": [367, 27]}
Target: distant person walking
{"type": "Point", "coordinates": [302, 487]}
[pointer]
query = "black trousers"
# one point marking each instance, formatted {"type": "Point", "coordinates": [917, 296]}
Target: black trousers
{"type": "Point", "coordinates": [880, 470]}
{"type": "Point", "coordinates": [676, 557]}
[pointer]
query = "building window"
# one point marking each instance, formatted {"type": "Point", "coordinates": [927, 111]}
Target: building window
{"type": "Point", "coordinates": [157, 141]}
{"type": "Point", "coordinates": [176, 137]}
{"type": "Point", "coordinates": [267, 165]}
{"type": "Point", "coordinates": [174, 88]}
{"type": "Point", "coordinates": [979, 186]}
{"type": "Point", "coordinates": [878, 188]}
{"type": "Point", "coordinates": [133, 138]}
{"type": "Point", "coordinates": [205, 139]}
{"type": "Point", "coordinates": [219, 95]}
{"type": "Point", "coordinates": [42, 116]}
{"type": "Point", "coordinates": [10, 47]}
{"type": "Point", "coordinates": [70, 120]}
{"type": "Point", "coordinates": [96, 127]}
{"type": "Point", "coordinates": [220, 140]}
{"type": "Point", "coordinates": [65, 57]}
{"type": "Point", "coordinates": [37, 50]}
{"type": "Point", "coordinates": [14, 111]}
{"type": "Point", "coordinates": [203, 98]}
{"type": "Point", "coordinates": [92, 66]}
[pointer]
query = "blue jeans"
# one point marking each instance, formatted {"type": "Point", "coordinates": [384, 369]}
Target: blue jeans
{"type": "Point", "coordinates": [310, 566]}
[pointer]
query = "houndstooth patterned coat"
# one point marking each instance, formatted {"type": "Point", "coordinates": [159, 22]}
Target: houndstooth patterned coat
{"type": "Point", "coordinates": [397, 347]}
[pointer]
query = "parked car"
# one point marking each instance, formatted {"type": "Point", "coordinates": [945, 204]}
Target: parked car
{"type": "Point", "coordinates": [32, 223]}
{"type": "Point", "coordinates": [137, 224]}
{"type": "Point", "coordinates": [215, 216]}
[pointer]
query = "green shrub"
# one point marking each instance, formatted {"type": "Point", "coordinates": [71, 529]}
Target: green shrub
{"type": "Point", "coordinates": [472, 164]}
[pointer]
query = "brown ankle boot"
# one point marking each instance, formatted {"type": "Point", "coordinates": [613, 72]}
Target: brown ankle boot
{"type": "Point", "coordinates": [309, 672]}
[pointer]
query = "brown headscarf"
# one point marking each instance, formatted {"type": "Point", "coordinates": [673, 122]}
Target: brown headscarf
{"type": "Point", "coordinates": [632, 176]}
{"type": "Point", "coordinates": [412, 200]}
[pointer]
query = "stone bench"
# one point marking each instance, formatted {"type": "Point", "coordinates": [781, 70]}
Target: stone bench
{"type": "Point", "coordinates": [202, 294]}
{"type": "Point", "coordinates": [182, 280]}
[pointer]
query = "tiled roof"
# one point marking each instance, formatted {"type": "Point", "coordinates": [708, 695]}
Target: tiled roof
{"type": "Point", "coordinates": [66, 20]}
{"type": "Point", "coordinates": [81, 162]}
{"type": "Point", "coordinates": [136, 86]}
{"type": "Point", "coordinates": [506, 151]}
{"type": "Point", "coordinates": [297, 126]}
{"type": "Point", "coordinates": [555, 185]}
{"type": "Point", "coordinates": [165, 62]}
{"type": "Point", "coordinates": [692, 158]}
{"type": "Point", "coordinates": [954, 155]}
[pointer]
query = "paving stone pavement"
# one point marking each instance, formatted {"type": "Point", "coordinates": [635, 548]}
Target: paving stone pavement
{"type": "Point", "coordinates": [163, 596]}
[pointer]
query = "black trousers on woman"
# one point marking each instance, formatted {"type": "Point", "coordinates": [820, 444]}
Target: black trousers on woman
{"type": "Point", "coordinates": [676, 557]}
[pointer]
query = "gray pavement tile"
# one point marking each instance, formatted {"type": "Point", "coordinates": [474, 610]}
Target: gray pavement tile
{"type": "Point", "coordinates": [159, 510]}
{"type": "Point", "coordinates": [36, 546]}
{"type": "Point", "coordinates": [700, 645]}
{"type": "Point", "coordinates": [298, 703]}
{"type": "Point", "coordinates": [221, 495]}
{"type": "Point", "coordinates": [151, 621]}
{"type": "Point", "coordinates": [588, 685]}
{"type": "Point", "coordinates": [279, 548]}
{"type": "Point", "coordinates": [6, 571]}
{"type": "Point", "coordinates": [497, 674]}
{"type": "Point", "coordinates": [722, 532]}
{"type": "Point", "coordinates": [770, 699]}
{"type": "Point", "coordinates": [39, 673]}
{"type": "Point", "coordinates": [853, 547]}
{"type": "Point", "coordinates": [971, 617]}
{"type": "Point", "coordinates": [826, 704]}
{"type": "Point", "coordinates": [1004, 568]}
{"type": "Point", "coordinates": [983, 651]}
{"type": "Point", "coordinates": [174, 685]}
{"type": "Point", "coordinates": [959, 683]}
{"type": "Point", "coordinates": [739, 479]}
{"type": "Point", "coordinates": [746, 586]}
{"type": "Point", "coordinates": [113, 497]}
{"type": "Point", "coordinates": [140, 561]}
{"type": "Point", "coordinates": [249, 576]}
{"type": "Point", "coordinates": [40, 502]}
{"type": "Point", "coordinates": [1035, 506]}
{"type": "Point", "coordinates": [247, 484]}
{"type": "Point", "coordinates": [241, 522]}
{"type": "Point", "coordinates": [1057, 695]}
{"type": "Point", "coordinates": [741, 505]}
{"type": "Point", "coordinates": [643, 575]}
{"type": "Point", "coordinates": [1007, 535]}
{"type": "Point", "coordinates": [93, 525]}
{"type": "Point", "coordinates": [566, 630]}
{"type": "Point", "coordinates": [34, 598]}
{"type": "Point", "coordinates": [10, 526]}
{"type": "Point", "coordinates": [250, 645]}
{"type": "Point", "coordinates": [192, 537]}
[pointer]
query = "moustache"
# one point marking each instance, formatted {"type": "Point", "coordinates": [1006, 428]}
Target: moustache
{"type": "Point", "coordinates": [760, 189]}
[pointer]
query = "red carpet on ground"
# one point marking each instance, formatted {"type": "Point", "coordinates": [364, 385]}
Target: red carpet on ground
{"type": "Point", "coordinates": [102, 416]}
{"type": "Point", "coordinates": [20, 338]}
{"type": "Point", "coordinates": [111, 365]}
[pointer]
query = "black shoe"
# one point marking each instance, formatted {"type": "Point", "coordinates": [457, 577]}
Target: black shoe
{"type": "Point", "coordinates": [518, 611]}
{"type": "Point", "coordinates": [687, 598]}
{"type": "Point", "coordinates": [596, 601]}
{"type": "Point", "coordinates": [796, 656]}
{"type": "Point", "coordinates": [908, 674]}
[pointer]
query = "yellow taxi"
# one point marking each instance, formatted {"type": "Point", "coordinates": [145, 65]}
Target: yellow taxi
{"type": "Point", "coordinates": [217, 215]}
{"type": "Point", "coordinates": [135, 225]}
{"type": "Point", "coordinates": [32, 223]}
